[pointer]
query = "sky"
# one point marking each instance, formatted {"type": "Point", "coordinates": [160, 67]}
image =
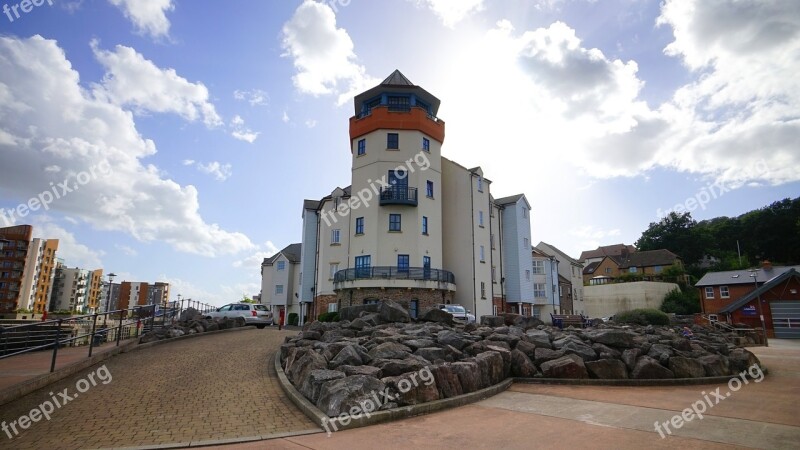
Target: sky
{"type": "Point", "coordinates": [175, 140]}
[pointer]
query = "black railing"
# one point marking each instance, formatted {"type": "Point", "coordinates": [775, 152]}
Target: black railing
{"type": "Point", "coordinates": [394, 273]}
{"type": "Point", "coordinates": [398, 195]}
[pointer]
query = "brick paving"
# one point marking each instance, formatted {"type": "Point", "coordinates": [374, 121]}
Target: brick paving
{"type": "Point", "coordinates": [212, 387]}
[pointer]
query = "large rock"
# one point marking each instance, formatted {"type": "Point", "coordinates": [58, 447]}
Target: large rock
{"type": "Point", "coordinates": [584, 351]}
{"type": "Point", "coordinates": [612, 337]}
{"type": "Point", "coordinates": [606, 352]}
{"type": "Point", "coordinates": [661, 352]}
{"type": "Point", "coordinates": [353, 312]}
{"type": "Point", "coordinates": [389, 350]}
{"type": "Point", "coordinates": [447, 381]}
{"type": "Point", "coordinates": [347, 356]}
{"type": "Point", "coordinates": [416, 344]}
{"type": "Point", "coordinates": [337, 335]}
{"type": "Point", "coordinates": [539, 338]}
{"type": "Point", "coordinates": [686, 367]}
{"type": "Point", "coordinates": [343, 395]}
{"type": "Point", "coordinates": [189, 314]}
{"type": "Point", "coordinates": [391, 312]}
{"type": "Point", "coordinates": [411, 388]}
{"type": "Point", "coordinates": [450, 337]}
{"type": "Point", "coordinates": [432, 353]}
{"type": "Point", "coordinates": [395, 367]}
{"type": "Point", "coordinates": [715, 365]}
{"type": "Point", "coordinates": [361, 370]}
{"type": "Point", "coordinates": [507, 338]}
{"type": "Point", "coordinates": [542, 355]}
{"type": "Point", "coordinates": [648, 368]}
{"type": "Point", "coordinates": [468, 375]}
{"type": "Point", "coordinates": [316, 378]}
{"type": "Point", "coordinates": [569, 366]}
{"type": "Point", "coordinates": [438, 316]}
{"type": "Point", "coordinates": [607, 369]}
{"type": "Point", "coordinates": [493, 321]}
{"type": "Point", "coordinates": [521, 365]}
{"type": "Point", "coordinates": [741, 360]}
{"type": "Point", "coordinates": [490, 365]}
{"type": "Point", "coordinates": [526, 322]}
{"type": "Point", "coordinates": [297, 369]}
{"type": "Point", "coordinates": [629, 357]}
{"type": "Point", "coordinates": [527, 348]}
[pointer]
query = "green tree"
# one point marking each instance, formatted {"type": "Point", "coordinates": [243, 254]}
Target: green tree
{"type": "Point", "coordinates": [675, 233]}
{"type": "Point", "coordinates": [246, 299]}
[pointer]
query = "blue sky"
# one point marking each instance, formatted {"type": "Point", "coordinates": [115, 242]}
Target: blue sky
{"type": "Point", "coordinates": [207, 122]}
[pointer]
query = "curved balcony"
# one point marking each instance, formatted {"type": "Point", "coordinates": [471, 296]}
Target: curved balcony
{"type": "Point", "coordinates": [398, 195]}
{"type": "Point", "coordinates": [393, 276]}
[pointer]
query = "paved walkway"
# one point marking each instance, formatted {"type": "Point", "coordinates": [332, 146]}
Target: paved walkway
{"type": "Point", "coordinates": [206, 388]}
{"type": "Point", "coordinates": [759, 415]}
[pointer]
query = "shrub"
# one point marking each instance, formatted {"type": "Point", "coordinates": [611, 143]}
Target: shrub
{"type": "Point", "coordinates": [682, 303]}
{"type": "Point", "coordinates": [329, 317]}
{"type": "Point", "coordinates": [642, 317]}
{"type": "Point", "coordinates": [294, 319]}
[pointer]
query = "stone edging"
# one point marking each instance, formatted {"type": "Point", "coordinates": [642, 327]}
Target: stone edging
{"type": "Point", "coordinates": [630, 381]}
{"type": "Point", "coordinates": [24, 388]}
{"type": "Point", "coordinates": [318, 417]}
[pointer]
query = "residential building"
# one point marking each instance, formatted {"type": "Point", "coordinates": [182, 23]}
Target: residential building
{"type": "Point", "coordinates": [109, 296]}
{"type": "Point", "coordinates": [733, 296]}
{"type": "Point", "coordinates": [413, 226]}
{"type": "Point", "coordinates": [26, 269]}
{"type": "Point", "coordinates": [565, 295]}
{"type": "Point", "coordinates": [71, 289]}
{"type": "Point", "coordinates": [643, 265]}
{"type": "Point", "coordinates": [570, 269]}
{"type": "Point", "coordinates": [545, 283]}
{"type": "Point", "coordinates": [589, 256]}
{"type": "Point", "coordinates": [158, 294]}
{"type": "Point", "coordinates": [132, 294]}
{"type": "Point", "coordinates": [280, 282]}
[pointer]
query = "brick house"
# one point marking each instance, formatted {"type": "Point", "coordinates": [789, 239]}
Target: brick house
{"type": "Point", "coordinates": [648, 264]}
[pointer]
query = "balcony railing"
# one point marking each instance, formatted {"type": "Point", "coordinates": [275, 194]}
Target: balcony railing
{"type": "Point", "coordinates": [398, 195]}
{"type": "Point", "coordinates": [394, 273]}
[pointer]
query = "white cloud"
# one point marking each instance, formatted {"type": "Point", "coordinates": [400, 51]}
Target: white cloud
{"type": "Point", "coordinates": [219, 171]}
{"type": "Point", "coordinates": [132, 80]}
{"type": "Point", "coordinates": [256, 97]}
{"type": "Point", "coordinates": [149, 16]}
{"type": "Point", "coordinates": [55, 122]}
{"type": "Point", "coordinates": [311, 123]}
{"type": "Point", "coordinates": [74, 253]}
{"type": "Point", "coordinates": [452, 11]}
{"type": "Point", "coordinates": [129, 251]}
{"type": "Point", "coordinates": [285, 117]}
{"type": "Point", "coordinates": [323, 54]}
{"type": "Point", "coordinates": [254, 260]}
{"type": "Point", "coordinates": [241, 132]}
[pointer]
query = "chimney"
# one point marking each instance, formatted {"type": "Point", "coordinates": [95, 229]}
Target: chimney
{"type": "Point", "coordinates": [766, 265]}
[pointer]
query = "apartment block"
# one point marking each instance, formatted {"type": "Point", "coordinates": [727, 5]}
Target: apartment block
{"type": "Point", "coordinates": [571, 270]}
{"type": "Point", "coordinates": [412, 226]}
{"type": "Point", "coordinates": [27, 267]}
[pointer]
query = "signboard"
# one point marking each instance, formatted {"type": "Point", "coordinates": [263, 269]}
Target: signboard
{"type": "Point", "coordinates": [749, 310]}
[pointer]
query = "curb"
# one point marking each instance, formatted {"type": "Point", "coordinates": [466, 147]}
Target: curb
{"type": "Point", "coordinates": [630, 382]}
{"type": "Point", "coordinates": [24, 388]}
{"type": "Point", "coordinates": [404, 412]}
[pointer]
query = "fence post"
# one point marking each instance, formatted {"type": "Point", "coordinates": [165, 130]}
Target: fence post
{"type": "Point", "coordinates": [55, 347]}
{"type": "Point", "coordinates": [119, 328]}
{"type": "Point", "coordinates": [94, 328]}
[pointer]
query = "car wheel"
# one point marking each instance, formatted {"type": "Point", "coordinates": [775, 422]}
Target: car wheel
{"type": "Point", "coordinates": [260, 327]}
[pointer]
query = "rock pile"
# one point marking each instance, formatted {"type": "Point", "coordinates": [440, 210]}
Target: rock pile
{"type": "Point", "coordinates": [337, 366]}
{"type": "Point", "coordinates": [190, 321]}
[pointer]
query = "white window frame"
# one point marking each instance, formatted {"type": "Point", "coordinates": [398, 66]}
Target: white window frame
{"type": "Point", "coordinates": [538, 267]}
{"type": "Point", "coordinates": [527, 275]}
{"type": "Point", "coordinates": [333, 307]}
{"type": "Point", "coordinates": [724, 292]}
{"type": "Point", "coordinates": [711, 288]}
{"type": "Point", "coordinates": [278, 289]}
{"type": "Point", "coordinates": [336, 236]}
{"type": "Point", "coordinates": [480, 218]}
{"type": "Point", "coordinates": [334, 269]}
{"type": "Point", "coordinates": [281, 266]}
{"type": "Point", "coordinates": [483, 254]}
{"type": "Point", "coordinates": [540, 288]}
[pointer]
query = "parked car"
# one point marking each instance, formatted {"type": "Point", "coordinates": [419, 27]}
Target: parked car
{"type": "Point", "coordinates": [253, 313]}
{"type": "Point", "coordinates": [459, 313]}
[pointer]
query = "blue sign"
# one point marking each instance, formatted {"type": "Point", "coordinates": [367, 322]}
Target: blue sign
{"type": "Point", "coordinates": [749, 310]}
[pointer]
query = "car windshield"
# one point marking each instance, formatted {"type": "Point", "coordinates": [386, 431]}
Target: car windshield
{"type": "Point", "coordinates": [455, 309]}
{"type": "Point", "coordinates": [260, 307]}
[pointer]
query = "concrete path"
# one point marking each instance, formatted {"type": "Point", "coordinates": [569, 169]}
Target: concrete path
{"type": "Point", "coordinates": [208, 388]}
{"type": "Point", "coordinates": [758, 415]}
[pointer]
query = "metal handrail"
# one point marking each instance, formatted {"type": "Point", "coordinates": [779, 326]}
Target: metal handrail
{"type": "Point", "coordinates": [395, 273]}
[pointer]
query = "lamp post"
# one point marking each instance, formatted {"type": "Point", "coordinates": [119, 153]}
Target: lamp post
{"type": "Point", "coordinates": [108, 297]}
{"type": "Point", "coordinates": [754, 275]}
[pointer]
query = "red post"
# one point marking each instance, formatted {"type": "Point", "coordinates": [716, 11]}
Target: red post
{"type": "Point", "coordinates": [280, 318]}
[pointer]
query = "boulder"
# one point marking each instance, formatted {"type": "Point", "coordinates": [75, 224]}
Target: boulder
{"type": "Point", "coordinates": [316, 378]}
{"type": "Point", "coordinates": [527, 322]}
{"type": "Point", "coordinates": [607, 369]}
{"type": "Point", "coordinates": [347, 356]}
{"type": "Point", "coordinates": [416, 344]}
{"type": "Point", "coordinates": [539, 338]}
{"type": "Point", "coordinates": [686, 367]}
{"type": "Point", "coordinates": [391, 312]}
{"type": "Point", "coordinates": [450, 337]}
{"type": "Point", "coordinates": [189, 314]}
{"type": "Point", "coordinates": [493, 321]}
{"type": "Point", "coordinates": [337, 335]}
{"type": "Point", "coordinates": [606, 352]}
{"type": "Point", "coordinates": [395, 367]}
{"type": "Point", "coordinates": [715, 365]}
{"type": "Point", "coordinates": [584, 351]}
{"type": "Point", "coordinates": [521, 365]}
{"type": "Point", "coordinates": [297, 369]}
{"type": "Point", "coordinates": [447, 381]}
{"type": "Point", "coordinates": [342, 395]}
{"type": "Point", "coordinates": [438, 316]}
{"type": "Point", "coordinates": [310, 335]}
{"type": "Point", "coordinates": [490, 365]}
{"type": "Point", "coordinates": [468, 375]}
{"type": "Point", "coordinates": [648, 368]}
{"type": "Point", "coordinates": [354, 312]}
{"type": "Point", "coordinates": [629, 357]}
{"type": "Point", "coordinates": [612, 337]}
{"type": "Point", "coordinates": [542, 355]}
{"type": "Point", "coordinates": [389, 350]}
{"type": "Point", "coordinates": [507, 338]}
{"type": "Point", "coordinates": [741, 360]}
{"type": "Point", "coordinates": [569, 366]}
{"type": "Point", "coordinates": [661, 352]}
{"type": "Point", "coordinates": [361, 370]}
{"type": "Point", "coordinates": [432, 353]}
{"type": "Point", "coordinates": [358, 324]}
{"type": "Point", "coordinates": [527, 348]}
{"type": "Point", "coordinates": [411, 389]}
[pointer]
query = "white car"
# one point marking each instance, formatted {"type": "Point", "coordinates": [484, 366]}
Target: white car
{"type": "Point", "coordinates": [253, 313]}
{"type": "Point", "coordinates": [459, 313]}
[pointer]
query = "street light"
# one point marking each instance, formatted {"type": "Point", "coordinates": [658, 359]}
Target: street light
{"type": "Point", "coordinates": [108, 297]}
{"type": "Point", "coordinates": [754, 276]}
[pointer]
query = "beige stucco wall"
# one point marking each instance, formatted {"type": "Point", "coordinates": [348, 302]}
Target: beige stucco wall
{"type": "Point", "coordinates": [609, 299]}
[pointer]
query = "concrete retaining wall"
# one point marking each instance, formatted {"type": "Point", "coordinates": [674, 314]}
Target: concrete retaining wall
{"type": "Point", "coordinates": [608, 299]}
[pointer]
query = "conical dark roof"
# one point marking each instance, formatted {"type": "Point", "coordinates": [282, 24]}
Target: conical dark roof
{"type": "Point", "coordinates": [397, 79]}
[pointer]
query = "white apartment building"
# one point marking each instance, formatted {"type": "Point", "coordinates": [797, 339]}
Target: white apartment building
{"type": "Point", "coordinates": [37, 278]}
{"type": "Point", "coordinates": [545, 284]}
{"type": "Point", "coordinates": [413, 226]}
{"type": "Point", "coordinates": [570, 269]}
{"type": "Point", "coordinates": [70, 290]}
